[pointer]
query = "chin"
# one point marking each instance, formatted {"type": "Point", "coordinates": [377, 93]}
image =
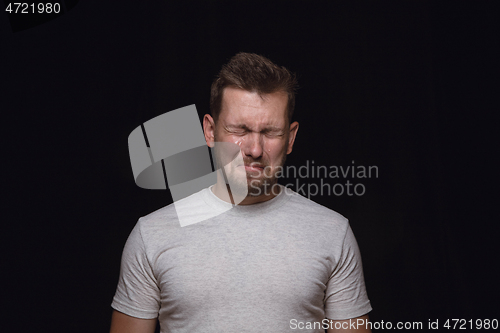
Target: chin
{"type": "Point", "coordinates": [260, 187]}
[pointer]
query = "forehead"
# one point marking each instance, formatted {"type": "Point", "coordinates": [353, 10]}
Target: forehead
{"type": "Point", "coordinates": [248, 106]}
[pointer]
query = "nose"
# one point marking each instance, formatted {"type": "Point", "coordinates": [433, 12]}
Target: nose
{"type": "Point", "coordinates": [253, 145]}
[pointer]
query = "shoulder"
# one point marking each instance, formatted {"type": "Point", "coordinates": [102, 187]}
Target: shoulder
{"type": "Point", "coordinates": [166, 219]}
{"type": "Point", "coordinates": [165, 216]}
{"type": "Point", "coordinates": [322, 219]}
{"type": "Point", "coordinates": [306, 207]}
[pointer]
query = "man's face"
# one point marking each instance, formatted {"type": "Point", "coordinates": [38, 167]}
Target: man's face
{"type": "Point", "coordinates": [259, 126]}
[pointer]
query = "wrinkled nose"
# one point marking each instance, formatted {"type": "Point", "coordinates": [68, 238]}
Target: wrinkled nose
{"type": "Point", "coordinates": [253, 146]}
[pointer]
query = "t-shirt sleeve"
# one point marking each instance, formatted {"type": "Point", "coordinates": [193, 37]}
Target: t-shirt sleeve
{"type": "Point", "coordinates": [345, 296]}
{"type": "Point", "coordinates": [137, 294]}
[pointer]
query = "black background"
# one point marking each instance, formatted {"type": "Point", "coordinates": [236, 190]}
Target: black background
{"type": "Point", "coordinates": [409, 86]}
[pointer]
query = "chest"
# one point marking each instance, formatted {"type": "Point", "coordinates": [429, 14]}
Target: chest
{"type": "Point", "coordinates": [239, 270]}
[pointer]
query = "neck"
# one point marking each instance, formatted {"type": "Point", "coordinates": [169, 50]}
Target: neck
{"type": "Point", "coordinates": [223, 192]}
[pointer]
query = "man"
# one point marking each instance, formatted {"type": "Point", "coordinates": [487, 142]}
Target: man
{"type": "Point", "coordinates": [276, 262]}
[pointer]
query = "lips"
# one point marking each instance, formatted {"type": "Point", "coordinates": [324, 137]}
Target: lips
{"type": "Point", "coordinates": [253, 165]}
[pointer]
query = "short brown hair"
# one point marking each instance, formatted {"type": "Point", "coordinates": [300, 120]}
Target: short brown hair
{"type": "Point", "coordinates": [253, 72]}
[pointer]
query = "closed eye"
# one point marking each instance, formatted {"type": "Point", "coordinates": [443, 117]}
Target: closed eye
{"type": "Point", "coordinates": [238, 132]}
{"type": "Point", "coordinates": [273, 133]}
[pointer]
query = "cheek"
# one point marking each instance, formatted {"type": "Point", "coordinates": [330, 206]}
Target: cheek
{"type": "Point", "coordinates": [239, 140]}
{"type": "Point", "coordinates": [275, 151]}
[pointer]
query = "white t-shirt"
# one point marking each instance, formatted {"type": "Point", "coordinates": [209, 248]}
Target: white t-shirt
{"type": "Point", "coordinates": [253, 268]}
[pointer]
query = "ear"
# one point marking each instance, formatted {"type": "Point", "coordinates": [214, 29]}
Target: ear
{"type": "Point", "coordinates": [209, 130]}
{"type": "Point", "coordinates": [294, 127]}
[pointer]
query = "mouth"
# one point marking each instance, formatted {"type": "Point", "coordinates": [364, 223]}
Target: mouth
{"type": "Point", "coordinates": [252, 167]}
